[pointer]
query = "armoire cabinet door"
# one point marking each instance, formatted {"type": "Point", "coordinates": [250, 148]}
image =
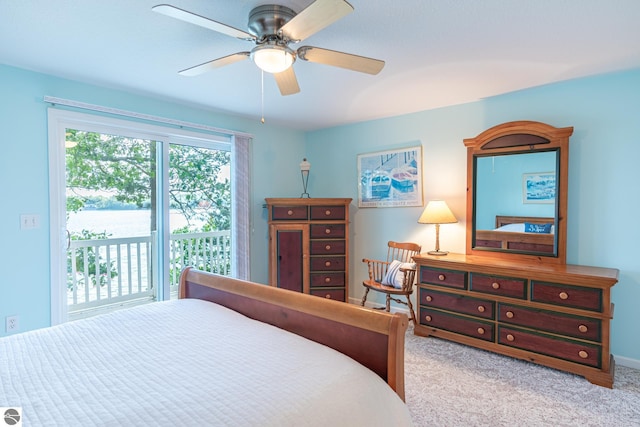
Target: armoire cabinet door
{"type": "Point", "coordinates": [289, 248]}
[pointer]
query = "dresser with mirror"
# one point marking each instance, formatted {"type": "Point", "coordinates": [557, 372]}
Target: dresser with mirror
{"type": "Point", "coordinates": [512, 292]}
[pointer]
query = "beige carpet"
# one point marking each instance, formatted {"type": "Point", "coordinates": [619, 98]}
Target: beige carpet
{"type": "Point", "coordinates": [449, 384]}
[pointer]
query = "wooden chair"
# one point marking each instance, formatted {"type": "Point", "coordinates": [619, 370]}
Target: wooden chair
{"type": "Point", "coordinates": [402, 252]}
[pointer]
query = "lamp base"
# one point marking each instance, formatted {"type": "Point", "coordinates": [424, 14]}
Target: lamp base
{"type": "Point", "coordinates": [439, 253]}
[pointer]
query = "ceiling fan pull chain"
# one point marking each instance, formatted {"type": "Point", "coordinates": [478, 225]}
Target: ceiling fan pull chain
{"type": "Point", "coordinates": [262, 95]}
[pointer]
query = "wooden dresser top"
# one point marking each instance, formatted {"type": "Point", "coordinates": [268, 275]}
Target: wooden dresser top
{"type": "Point", "coordinates": [551, 272]}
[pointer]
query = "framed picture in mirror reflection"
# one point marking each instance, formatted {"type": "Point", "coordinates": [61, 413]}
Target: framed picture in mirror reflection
{"type": "Point", "coordinates": [539, 187]}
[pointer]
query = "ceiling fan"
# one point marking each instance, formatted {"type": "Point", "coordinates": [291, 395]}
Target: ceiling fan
{"type": "Point", "coordinates": [273, 28]}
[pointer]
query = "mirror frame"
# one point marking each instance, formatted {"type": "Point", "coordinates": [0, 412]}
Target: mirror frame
{"type": "Point", "coordinates": [517, 138]}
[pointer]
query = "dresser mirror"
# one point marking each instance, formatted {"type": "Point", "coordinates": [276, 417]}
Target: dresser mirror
{"type": "Point", "coordinates": [517, 192]}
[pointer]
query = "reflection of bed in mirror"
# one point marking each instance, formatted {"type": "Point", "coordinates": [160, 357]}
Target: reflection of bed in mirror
{"type": "Point", "coordinates": [510, 234]}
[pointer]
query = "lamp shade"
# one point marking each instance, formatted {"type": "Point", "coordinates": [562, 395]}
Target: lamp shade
{"type": "Point", "coordinates": [272, 58]}
{"type": "Point", "coordinates": [437, 212]}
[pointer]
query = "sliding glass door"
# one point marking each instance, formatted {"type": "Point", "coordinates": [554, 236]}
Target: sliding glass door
{"type": "Point", "coordinates": [131, 206]}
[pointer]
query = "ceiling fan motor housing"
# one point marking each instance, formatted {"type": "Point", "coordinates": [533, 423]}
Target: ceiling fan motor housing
{"type": "Point", "coordinates": [265, 21]}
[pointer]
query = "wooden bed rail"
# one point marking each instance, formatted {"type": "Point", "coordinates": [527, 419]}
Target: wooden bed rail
{"type": "Point", "coordinates": [374, 339]}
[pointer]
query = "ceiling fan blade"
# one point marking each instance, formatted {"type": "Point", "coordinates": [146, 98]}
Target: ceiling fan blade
{"type": "Point", "coordinates": [287, 82]}
{"type": "Point", "coordinates": [216, 63]}
{"type": "Point", "coordinates": [315, 17]}
{"type": "Point", "coordinates": [340, 59]}
{"type": "Point", "coordinates": [183, 15]}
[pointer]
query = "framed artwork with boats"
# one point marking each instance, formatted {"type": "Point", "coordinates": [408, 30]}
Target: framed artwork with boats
{"type": "Point", "coordinates": [390, 178]}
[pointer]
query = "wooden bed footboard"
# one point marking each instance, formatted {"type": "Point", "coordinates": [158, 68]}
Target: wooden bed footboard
{"type": "Point", "coordinates": [374, 339]}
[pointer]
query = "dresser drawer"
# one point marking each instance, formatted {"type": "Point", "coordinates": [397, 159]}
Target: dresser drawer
{"type": "Point", "coordinates": [319, 231]}
{"type": "Point", "coordinates": [505, 286]}
{"type": "Point", "coordinates": [334, 294]}
{"type": "Point", "coordinates": [327, 279]}
{"type": "Point", "coordinates": [448, 278]}
{"type": "Point", "coordinates": [568, 296]}
{"type": "Point", "coordinates": [575, 326]}
{"type": "Point", "coordinates": [457, 303]}
{"type": "Point", "coordinates": [326, 263]}
{"type": "Point", "coordinates": [458, 324]}
{"type": "Point", "coordinates": [574, 351]}
{"type": "Point", "coordinates": [289, 212]}
{"type": "Point", "coordinates": [327, 212]}
{"type": "Point", "coordinates": [330, 247]}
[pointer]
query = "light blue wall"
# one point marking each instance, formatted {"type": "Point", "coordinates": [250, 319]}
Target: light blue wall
{"type": "Point", "coordinates": [603, 172]}
{"type": "Point", "coordinates": [24, 258]}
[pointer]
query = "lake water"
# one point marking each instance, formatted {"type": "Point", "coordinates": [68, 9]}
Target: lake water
{"type": "Point", "coordinates": [120, 223]}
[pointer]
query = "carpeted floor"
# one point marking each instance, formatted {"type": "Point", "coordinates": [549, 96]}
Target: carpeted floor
{"type": "Point", "coordinates": [448, 384]}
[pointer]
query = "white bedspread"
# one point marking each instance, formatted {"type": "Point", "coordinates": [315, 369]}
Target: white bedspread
{"type": "Point", "coordinates": [187, 363]}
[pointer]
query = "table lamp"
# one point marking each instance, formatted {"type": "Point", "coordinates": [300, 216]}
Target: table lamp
{"type": "Point", "coordinates": [437, 212]}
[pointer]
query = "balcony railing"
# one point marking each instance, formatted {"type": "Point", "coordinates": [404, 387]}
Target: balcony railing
{"type": "Point", "coordinates": [108, 272]}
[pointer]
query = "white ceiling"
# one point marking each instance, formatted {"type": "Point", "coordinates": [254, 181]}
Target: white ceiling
{"type": "Point", "coordinates": [437, 52]}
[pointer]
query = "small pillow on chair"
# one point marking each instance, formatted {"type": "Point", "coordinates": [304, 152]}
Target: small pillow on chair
{"type": "Point", "coordinates": [394, 276]}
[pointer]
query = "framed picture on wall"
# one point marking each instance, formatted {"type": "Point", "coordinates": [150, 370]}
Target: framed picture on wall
{"type": "Point", "coordinates": [539, 187]}
{"type": "Point", "coordinates": [390, 178]}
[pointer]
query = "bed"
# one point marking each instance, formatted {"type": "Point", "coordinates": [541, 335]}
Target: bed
{"type": "Point", "coordinates": [510, 234]}
{"type": "Point", "coordinates": [227, 352]}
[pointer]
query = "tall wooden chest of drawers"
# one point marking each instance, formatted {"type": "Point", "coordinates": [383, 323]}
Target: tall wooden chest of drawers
{"type": "Point", "coordinates": [557, 315]}
{"type": "Point", "coordinates": [309, 246]}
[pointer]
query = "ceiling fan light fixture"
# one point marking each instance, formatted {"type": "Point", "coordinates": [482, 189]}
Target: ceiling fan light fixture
{"type": "Point", "coordinates": [273, 58]}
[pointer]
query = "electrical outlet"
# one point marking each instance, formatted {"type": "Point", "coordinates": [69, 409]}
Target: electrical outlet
{"type": "Point", "coordinates": [29, 221]}
{"type": "Point", "coordinates": [12, 324]}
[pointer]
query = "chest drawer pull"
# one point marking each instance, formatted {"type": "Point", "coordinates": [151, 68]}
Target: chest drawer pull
{"type": "Point", "coordinates": [495, 285]}
{"type": "Point", "coordinates": [509, 314]}
{"type": "Point", "coordinates": [441, 277]}
{"type": "Point", "coordinates": [481, 308]}
{"type": "Point", "coordinates": [328, 247]}
{"type": "Point", "coordinates": [327, 212]}
{"type": "Point", "coordinates": [289, 212]}
{"type": "Point", "coordinates": [428, 298]}
{"type": "Point", "coordinates": [481, 331]}
{"type": "Point", "coordinates": [427, 318]}
{"type": "Point", "coordinates": [583, 354]}
{"type": "Point", "coordinates": [510, 337]}
{"type": "Point", "coordinates": [563, 295]}
{"type": "Point", "coordinates": [583, 328]}
{"type": "Point", "coordinates": [327, 264]}
{"type": "Point", "coordinates": [327, 231]}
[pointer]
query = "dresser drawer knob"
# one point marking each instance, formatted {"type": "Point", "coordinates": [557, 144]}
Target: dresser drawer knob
{"type": "Point", "coordinates": [427, 318]}
{"type": "Point", "coordinates": [481, 308]}
{"type": "Point", "coordinates": [327, 248]}
{"type": "Point", "coordinates": [327, 264]}
{"type": "Point", "coordinates": [509, 314]}
{"type": "Point", "coordinates": [481, 331]}
{"type": "Point", "coordinates": [495, 285]}
{"type": "Point", "coordinates": [327, 212]}
{"type": "Point", "coordinates": [289, 212]}
{"type": "Point", "coordinates": [583, 328]}
{"type": "Point", "coordinates": [510, 337]}
{"type": "Point", "coordinates": [328, 296]}
{"type": "Point", "coordinates": [441, 277]}
{"type": "Point", "coordinates": [327, 231]}
{"type": "Point", "coordinates": [583, 354]}
{"type": "Point", "coordinates": [327, 280]}
{"type": "Point", "coordinates": [563, 295]}
{"type": "Point", "coordinates": [428, 298]}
